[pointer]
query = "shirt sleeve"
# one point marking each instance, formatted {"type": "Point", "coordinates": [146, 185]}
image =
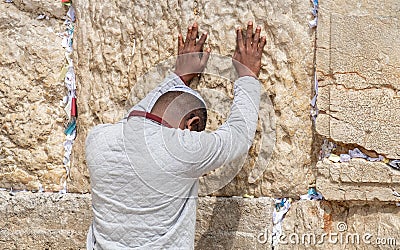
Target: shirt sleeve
{"type": "Point", "coordinates": [201, 152]}
{"type": "Point", "coordinates": [147, 103]}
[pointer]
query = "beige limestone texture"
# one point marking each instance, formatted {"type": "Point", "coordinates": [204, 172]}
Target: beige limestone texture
{"type": "Point", "coordinates": [54, 221]}
{"type": "Point", "coordinates": [31, 120]}
{"type": "Point", "coordinates": [46, 7]}
{"type": "Point", "coordinates": [357, 54]}
{"type": "Point", "coordinates": [232, 223]}
{"type": "Point", "coordinates": [341, 225]}
{"type": "Point", "coordinates": [118, 42]}
{"type": "Point", "coordinates": [357, 57]}
{"type": "Point", "coordinates": [44, 220]}
{"type": "Point", "coordinates": [357, 180]}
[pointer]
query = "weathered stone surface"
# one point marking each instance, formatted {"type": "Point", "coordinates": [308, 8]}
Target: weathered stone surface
{"type": "Point", "coordinates": [356, 62]}
{"type": "Point", "coordinates": [357, 180]}
{"type": "Point", "coordinates": [53, 221]}
{"type": "Point", "coordinates": [42, 7]}
{"type": "Point", "coordinates": [359, 102]}
{"type": "Point", "coordinates": [369, 118]}
{"type": "Point", "coordinates": [232, 223]}
{"type": "Point", "coordinates": [40, 220]}
{"type": "Point", "coordinates": [117, 42]}
{"type": "Point", "coordinates": [343, 225]}
{"type": "Point", "coordinates": [44, 220]}
{"type": "Point", "coordinates": [31, 121]}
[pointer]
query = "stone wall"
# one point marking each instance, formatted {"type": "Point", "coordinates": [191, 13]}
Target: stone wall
{"type": "Point", "coordinates": [61, 221]}
{"type": "Point", "coordinates": [122, 49]}
{"type": "Point", "coordinates": [31, 120]}
{"type": "Point", "coordinates": [359, 100]}
{"type": "Point", "coordinates": [44, 220]}
{"type": "Point", "coordinates": [118, 42]}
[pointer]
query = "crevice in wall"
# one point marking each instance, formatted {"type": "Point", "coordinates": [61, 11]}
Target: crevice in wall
{"type": "Point", "coordinates": [333, 77]}
{"type": "Point", "coordinates": [343, 148]}
{"type": "Point", "coordinates": [338, 81]}
{"type": "Point", "coordinates": [316, 140]}
{"type": "Point", "coordinates": [350, 73]}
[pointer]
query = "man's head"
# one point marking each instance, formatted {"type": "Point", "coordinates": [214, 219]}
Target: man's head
{"type": "Point", "coordinates": [181, 110]}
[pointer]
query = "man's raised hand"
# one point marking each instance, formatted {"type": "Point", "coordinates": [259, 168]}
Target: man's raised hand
{"type": "Point", "coordinates": [247, 56]}
{"type": "Point", "coordinates": [191, 59]}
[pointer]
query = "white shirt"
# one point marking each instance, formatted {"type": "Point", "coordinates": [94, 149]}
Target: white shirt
{"type": "Point", "coordinates": [144, 176]}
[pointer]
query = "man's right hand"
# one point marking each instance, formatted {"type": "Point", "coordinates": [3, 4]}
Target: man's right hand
{"type": "Point", "coordinates": [191, 59]}
{"type": "Point", "coordinates": [247, 56]}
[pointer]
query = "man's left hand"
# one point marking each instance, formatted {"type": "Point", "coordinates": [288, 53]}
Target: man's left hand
{"type": "Point", "coordinates": [191, 59]}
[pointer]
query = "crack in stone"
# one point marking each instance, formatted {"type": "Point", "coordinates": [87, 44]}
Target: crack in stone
{"type": "Point", "coordinates": [343, 147]}
{"type": "Point", "coordinates": [349, 73]}
{"type": "Point", "coordinates": [332, 76]}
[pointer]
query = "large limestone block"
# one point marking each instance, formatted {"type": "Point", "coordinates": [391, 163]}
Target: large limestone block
{"type": "Point", "coordinates": [31, 120]}
{"type": "Point", "coordinates": [233, 223]}
{"type": "Point", "coordinates": [357, 180]}
{"type": "Point", "coordinates": [357, 57]}
{"type": "Point", "coordinates": [369, 118]}
{"type": "Point", "coordinates": [117, 42]}
{"type": "Point", "coordinates": [359, 96]}
{"type": "Point", "coordinates": [345, 225]}
{"type": "Point", "coordinates": [44, 220]}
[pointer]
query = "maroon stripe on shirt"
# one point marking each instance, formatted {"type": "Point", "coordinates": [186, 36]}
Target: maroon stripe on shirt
{"type": "Point", "coordinates": [150, 116]}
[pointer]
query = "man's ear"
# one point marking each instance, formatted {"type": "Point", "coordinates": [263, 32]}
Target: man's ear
{"type": "Point", "coordinates": [193, 124]}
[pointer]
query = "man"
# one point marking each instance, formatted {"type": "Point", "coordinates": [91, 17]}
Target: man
{"type": "Point", "coordinates": [144, 169]}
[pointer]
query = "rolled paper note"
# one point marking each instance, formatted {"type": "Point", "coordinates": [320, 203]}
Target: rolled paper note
{"type": "Point", "coordinates": [73, 107]}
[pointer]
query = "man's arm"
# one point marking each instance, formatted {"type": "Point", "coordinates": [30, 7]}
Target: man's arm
{"type": "Point", "coordinates": [234, 138]}
{"type": "Point", "coordinates": [203, 152]}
